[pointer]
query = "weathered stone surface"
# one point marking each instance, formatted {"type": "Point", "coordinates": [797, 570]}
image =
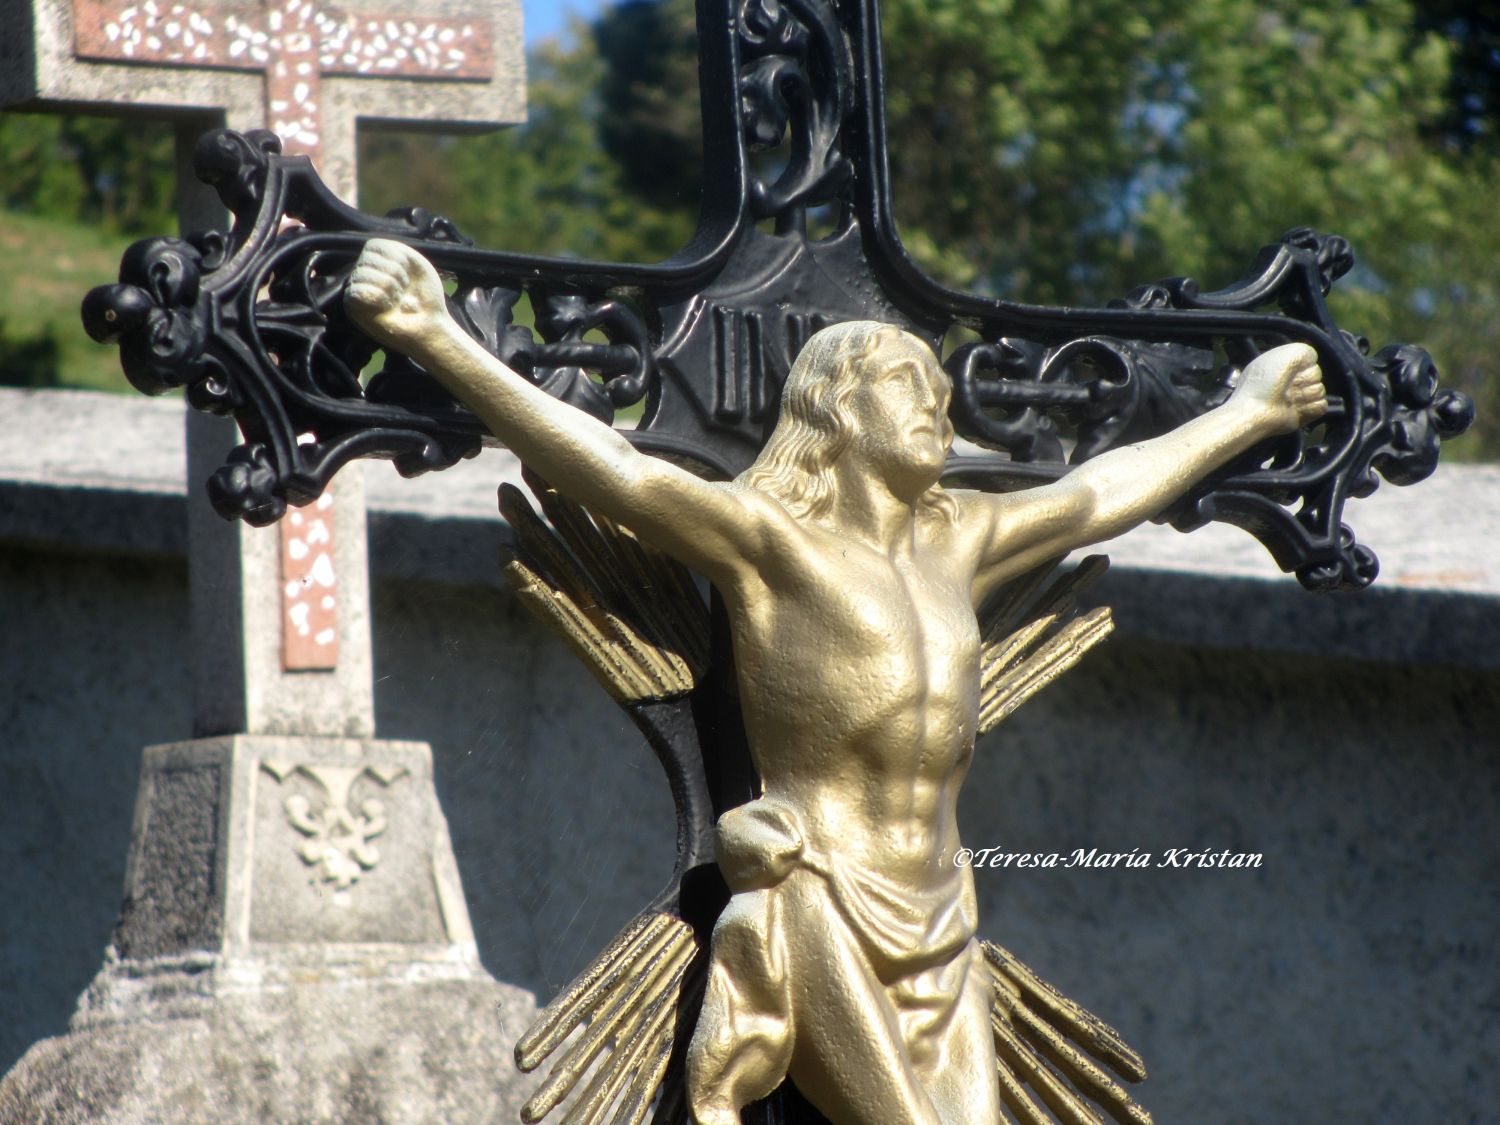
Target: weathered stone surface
{"type": "Point", "coordinates": [1437, 600]}
{"type": "Point", "coordinates": [294, 946]}
{"type": "Point", "coordinates": [240, 681]}
{"type": "Point", "coordinates": [249, 845]}
{"type": "Point", "coordinates": [275, 884]}
{"type": "Point", "coordinates": [93, 663]}
{"type": "Point", "coordinates": [407, 1053]}
{"type": "Point", "coordinates": [1353, 975]}
{"type": "Point", "coordinates": [310, 877]}
{"type": "Point", "coordinates": [309, 72]}
{"type": "Point", "coordinates": [173, 905]}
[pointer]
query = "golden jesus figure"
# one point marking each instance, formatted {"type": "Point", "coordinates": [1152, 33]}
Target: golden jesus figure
{"type": "Point", "coordinates": [846, 958]}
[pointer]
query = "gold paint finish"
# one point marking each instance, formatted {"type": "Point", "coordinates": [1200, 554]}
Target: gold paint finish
{"type": "Point", "coordinates": [624, 1007]}
{"type": "Point", "coordinates": [1027, 646]}
{"type": "Point", "coordinates": [846, 958]}
{"type": "Point", "coordinates": [660, 649]}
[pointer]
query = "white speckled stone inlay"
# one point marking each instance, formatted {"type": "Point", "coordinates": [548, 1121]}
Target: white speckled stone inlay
{"type": "Point", "coordinates": [309, 626]}
{"type": "Point", "coordinates": [294, 42]}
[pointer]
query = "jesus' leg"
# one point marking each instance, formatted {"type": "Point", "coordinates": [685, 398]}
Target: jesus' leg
{"type": "Point", "coordinates": [790, 984]}
{"type": "Point", "coordinates": [743, 1043]}
{"type": "Point", "coordinates": [849, 1056]}
{"type": "Point", "coordinates": [945, 1020]}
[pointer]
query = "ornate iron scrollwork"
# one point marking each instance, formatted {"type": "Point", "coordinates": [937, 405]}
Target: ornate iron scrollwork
{"type": "Point", "coordinates": [251, 323]}
{"type": "Point", "coordinates": [796, 88]}
{"type": "Point", "coordinates": [1386, 414]}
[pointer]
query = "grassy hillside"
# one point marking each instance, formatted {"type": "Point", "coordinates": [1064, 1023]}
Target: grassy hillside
{"type": "Point", "coordinates": [48, 267]}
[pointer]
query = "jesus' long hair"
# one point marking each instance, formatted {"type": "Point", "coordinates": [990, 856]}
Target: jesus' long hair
{"type": "Point", "coordinates": [815, 426]}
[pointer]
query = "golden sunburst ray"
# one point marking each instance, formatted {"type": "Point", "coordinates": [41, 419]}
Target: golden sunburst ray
{"type": "Point", "coordinates": [1050, 1051]}
{"type": "Point", "coordinates": [1029, 643]}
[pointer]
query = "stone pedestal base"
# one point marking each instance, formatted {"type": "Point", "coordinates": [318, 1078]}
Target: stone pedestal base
{"type": "Point", "coordinates": [417, 1053]}
{"type": "Point", "coordinates": [293, 947]}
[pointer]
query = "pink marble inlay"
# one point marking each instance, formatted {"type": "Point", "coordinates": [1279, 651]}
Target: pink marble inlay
{"type": "Point", "coordinates": [309, 588]}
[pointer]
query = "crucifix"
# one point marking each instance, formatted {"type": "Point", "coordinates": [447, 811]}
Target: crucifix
{"type": "Point", "coordinates": [255, 324]}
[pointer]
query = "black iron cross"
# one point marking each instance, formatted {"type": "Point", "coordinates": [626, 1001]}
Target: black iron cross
{"type": "Point", "coordinates": [252, 322]}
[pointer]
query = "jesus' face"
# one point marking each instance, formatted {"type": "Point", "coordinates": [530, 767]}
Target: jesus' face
{"type": "Point", "coordinates": [900, 414]}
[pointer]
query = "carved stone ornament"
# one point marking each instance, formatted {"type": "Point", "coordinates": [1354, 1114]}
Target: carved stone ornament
{"type": "Point", "coordinates": [337, 836]}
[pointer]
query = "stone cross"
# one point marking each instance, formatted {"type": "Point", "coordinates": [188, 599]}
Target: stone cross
{"type": "Point", "coordinates": [270, 608]}
{"type": "Point", "coordinates": [305, 70]}
{"type": "Point", "coordinates": [293, 43]}
{"type": "Point", "coordinates": [291, 891]}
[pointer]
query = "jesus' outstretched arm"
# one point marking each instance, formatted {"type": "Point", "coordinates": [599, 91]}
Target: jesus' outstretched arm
{"type": "Point", "coordinates": [1279, 392]}
{"type": "Point", "coordinates": [396, 296]}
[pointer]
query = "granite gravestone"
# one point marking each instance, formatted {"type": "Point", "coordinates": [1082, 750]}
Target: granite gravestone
{"type": "Point", "coordinates": [294, 939]}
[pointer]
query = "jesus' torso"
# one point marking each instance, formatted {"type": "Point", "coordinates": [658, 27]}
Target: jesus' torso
{"type": "Point", "coordinates": [859, 677]}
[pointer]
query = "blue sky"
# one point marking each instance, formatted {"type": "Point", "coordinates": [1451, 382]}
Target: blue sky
{"type": "Point", "coordinates": [545, 18]}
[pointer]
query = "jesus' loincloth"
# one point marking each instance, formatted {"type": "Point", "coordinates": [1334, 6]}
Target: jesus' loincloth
{"type": "Point", "coordinates": [907, 951]}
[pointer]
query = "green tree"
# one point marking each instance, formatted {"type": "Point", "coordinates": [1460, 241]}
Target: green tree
{"type": "Point", "coordinates": [111, 173]}
{"type": "Point", "coordinates": [1472, 116]}
{"type": "Point", "coordinates": [75, 191]}
{"type": "Point", "coordinates": [549, 186]}
{"type": "Point", "coordinates": [1065, 152]}
{"type": "Point", "coordinates": [649, 118]}
{"type": "Point", "coordinates": [1058, 151]}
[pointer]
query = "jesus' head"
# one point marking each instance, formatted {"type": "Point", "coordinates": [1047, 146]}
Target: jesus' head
{"type": "Point", "coordinates": [865, 390]}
